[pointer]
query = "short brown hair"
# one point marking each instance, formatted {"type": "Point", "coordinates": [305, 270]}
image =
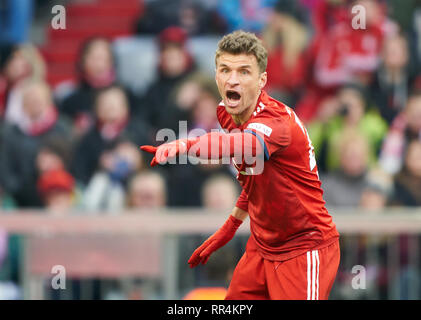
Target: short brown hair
{"type": "Point", "coordinates": [239, 42]}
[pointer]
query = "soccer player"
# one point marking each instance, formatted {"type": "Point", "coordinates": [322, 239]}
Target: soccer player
{"type": "Point", "coordinates": [293, 251]}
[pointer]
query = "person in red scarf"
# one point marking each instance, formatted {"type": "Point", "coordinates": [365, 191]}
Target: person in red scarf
{"type": "Point", "coordinates": [21, 142]}
{"type": "Point", "coordinates": [174, 66]}
{"type": "Point", "coordinates": [112, 123]}
{"type": "Point", "coordinates": [96, 70]}
{"type": "Point", "coordinates": [17, 64]}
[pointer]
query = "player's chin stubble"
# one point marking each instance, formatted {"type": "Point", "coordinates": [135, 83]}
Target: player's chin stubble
{"type": "Point", "coordinates": [235, 114]}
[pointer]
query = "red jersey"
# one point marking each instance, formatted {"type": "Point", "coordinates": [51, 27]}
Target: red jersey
{"type": "Point", "coordinates": [285, 202]}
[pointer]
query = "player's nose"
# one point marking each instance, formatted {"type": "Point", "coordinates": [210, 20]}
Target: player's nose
{"type": "Point", "coordinates": [233, 79]}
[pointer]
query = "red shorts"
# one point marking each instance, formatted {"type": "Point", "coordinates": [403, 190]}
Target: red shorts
{"type": "Point", "coordinates": [309, 276]}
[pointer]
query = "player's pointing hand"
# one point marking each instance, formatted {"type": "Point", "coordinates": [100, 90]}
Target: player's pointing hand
{"type": "Point", "coordinates": [166, 151]}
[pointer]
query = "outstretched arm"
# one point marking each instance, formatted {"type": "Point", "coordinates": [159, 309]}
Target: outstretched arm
{"type": "Point", "coordinates": [213, 145]}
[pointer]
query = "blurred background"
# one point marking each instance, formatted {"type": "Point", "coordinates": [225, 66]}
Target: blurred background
{"type": "Point", "coordinates": [84, 84]}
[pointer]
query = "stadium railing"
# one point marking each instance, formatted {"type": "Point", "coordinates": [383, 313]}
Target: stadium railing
{"type": "Point", "coordinates": [379, 250]}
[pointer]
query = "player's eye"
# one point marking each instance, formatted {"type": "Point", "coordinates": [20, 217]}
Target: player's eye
{"type": "Point", "coordinates": [244, 72]}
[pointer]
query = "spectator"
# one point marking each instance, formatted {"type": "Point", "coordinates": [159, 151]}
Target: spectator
{"type": "Point", "coordinates": [54, 154]}
{"type": "Point", "coordinates": [220, 192]}
{"type": "Point", "coordinates": [96, 71]}
{"type": "Point", "coordinates": [392, 80]}
{"type": "Point", "coordinates": [107, 189]}
{"type": "Point", "coordinates": [245, 15]}
{"type": "Point", "coordinates": [203, 112]}
{"type": "Point", "coordinates": [56, 188]}
{"type": "Point", "coordinates": [20, 63]}
{"type": "Point", "coordinates": [175, 64]}
{"type": "Point", "coordinates": [405, 128]}
{"type": "Point", "coordinates": [377, 191]}
{"type": "Point", "coordinates": [112, 124]}
{"type": "Point", "coordinates": [348, 111]}
{"type": "Point", "coordinates": [343, 187]}
{"type": "Point", "coordinates": [192, 177]}
{"type": "Point", "coordinates": [408, 180]}
{"type": "Point", "coordinates": [345, 55]}
{"type": "Point", "coordinates": [147, 190]}
{"type": "Point", "coordinates": [194, 101]}
{"type": "Point", "coordinates": [19, 150]}
{"type": "Point", "coordinates": [326, 14]}
{"type": "Point", "coordinates": [195, 17]}
{"type": "Point", "coordinates": [286, 39]}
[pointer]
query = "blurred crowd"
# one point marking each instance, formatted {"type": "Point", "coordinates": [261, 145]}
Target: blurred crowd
{"type": "Point", "coordinates": [358, 90]}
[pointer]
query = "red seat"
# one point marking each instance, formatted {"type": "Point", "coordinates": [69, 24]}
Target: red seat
{"type": "Point", "coordinates": [109, 18]}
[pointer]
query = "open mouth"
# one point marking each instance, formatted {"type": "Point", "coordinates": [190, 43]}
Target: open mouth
{"type": "Point", "coordinates": [233, 97]}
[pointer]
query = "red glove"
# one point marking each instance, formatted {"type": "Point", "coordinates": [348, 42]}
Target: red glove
{"type": "Point", "coordinates": [167, 150]}
{"type": "Point", "coordinates": [215, 241]}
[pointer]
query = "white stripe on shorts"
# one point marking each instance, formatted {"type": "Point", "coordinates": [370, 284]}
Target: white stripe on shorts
{"type": "Point", "coordinates": [308, 276]}
{"type": "Point", "coordinates": [313, 275]}
{"type": "Point", "coordinates": [317, 273]}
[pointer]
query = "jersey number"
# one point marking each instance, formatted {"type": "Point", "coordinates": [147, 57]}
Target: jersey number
{"type": "Point", "coordinates": [312, 156]}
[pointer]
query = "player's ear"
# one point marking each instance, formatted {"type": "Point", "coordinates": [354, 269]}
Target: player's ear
{"type": "Point", "coordinates": [263, 79]}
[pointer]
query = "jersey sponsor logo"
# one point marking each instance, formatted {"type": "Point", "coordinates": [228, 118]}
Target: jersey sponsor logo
{"type": "Point", "coordinates": [262, 128]}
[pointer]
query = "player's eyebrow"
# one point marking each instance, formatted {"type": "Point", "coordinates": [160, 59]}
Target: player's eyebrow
{"type": "Point", "coordinates": [244, 66]}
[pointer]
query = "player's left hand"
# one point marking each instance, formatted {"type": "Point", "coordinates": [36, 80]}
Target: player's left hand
{"type": "Point", "coordinates": [215, 241]}
{"type": "Point", "coordinates": [166, 151]}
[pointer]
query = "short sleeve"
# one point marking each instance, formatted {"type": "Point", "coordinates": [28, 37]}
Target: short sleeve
{"type": "Point", "coordinates": [242, 201]}
{"type": "Point", "coordinates": [273, 133]}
